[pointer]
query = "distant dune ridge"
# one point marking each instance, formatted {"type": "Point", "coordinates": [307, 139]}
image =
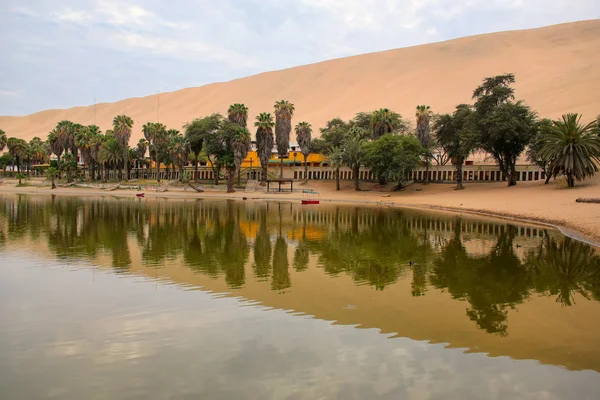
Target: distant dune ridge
{"type": "Point", "coordinates": [557, 70]}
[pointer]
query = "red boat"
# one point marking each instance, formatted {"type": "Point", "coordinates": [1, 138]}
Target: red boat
{"type": "Point", "coordinates": [310, 197]}
{"type": "Point", "coordinates": [140, 195]}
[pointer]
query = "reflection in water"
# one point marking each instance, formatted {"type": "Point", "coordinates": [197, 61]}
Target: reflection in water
{"type": "Point", "coordinates": [373, 246]}
{"type": "Point", "coordinates": [488, 267]}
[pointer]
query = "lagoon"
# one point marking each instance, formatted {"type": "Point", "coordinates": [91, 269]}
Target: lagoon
{"type": "Point", "coordinates": [122, 298]}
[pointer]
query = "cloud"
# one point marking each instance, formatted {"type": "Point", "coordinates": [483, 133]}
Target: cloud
{"type": "Point", "coordinates": [8, 93]}
{"type": "Point", "coordinates": [131, 43]}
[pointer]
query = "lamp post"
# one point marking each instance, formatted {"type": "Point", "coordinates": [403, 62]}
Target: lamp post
{"type": "Point", "coordinates": [251, 172]}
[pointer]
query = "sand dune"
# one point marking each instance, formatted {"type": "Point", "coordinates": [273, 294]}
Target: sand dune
{"type": "Point", "coordinates": [557, 69]}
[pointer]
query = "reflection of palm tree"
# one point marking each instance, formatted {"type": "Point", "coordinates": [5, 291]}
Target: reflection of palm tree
{"type": "Point", "coordinates": [490, 284]}
{"type": "Point", "coordinates": [565, 267]}
{"type": "Point", "coordinates": [262, 249]}
{"type": "Point", "coordinates": [301, 256]}
{"type": "Point", "coordinates": [281, 275]}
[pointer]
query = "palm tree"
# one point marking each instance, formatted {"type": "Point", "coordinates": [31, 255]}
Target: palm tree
{"type": "Point", "coordinates": [37, 151]}
{"type": "Point", "coordinates": [142, 147]}
{"type": "Point", "coordinates": [64, 134]}
{"type": "Point", "coordinates": [284, 111]}
{"type": "Point", "coordinates": [423, 115]}
{"type": "Point", "coordinates": [17, 149]}
{"type": "Point", "coordinates": [264, 141]}
{"type": "Point", "coordinates": [122, 125]}
{"type": "Point", "coordinates": [179, 151]}
{"type": "Point", "coordinates": [159, 141]}
{"type": "Point", "coordinates": [303, 137]}
{"type": "Point", "coordinates": [382, 122]}
{"type": "Point", "coordinates": [51, 172]}
{"type": "Point", "coordinates": [241, 145]}
{"type": "Point", "coordinates": [111, 153]}
{"type": "Point", "coordinates": [95, 142]}
{"type": "Point", "coordinates": [353, 152]}
{"type": "Point", "coordinates": [573, 148]}
{"type": "Point", "coordinates": [336, 159]}
{"type": "Point", "coordinates": [2, 140]}
{"type": "Point", "coordinates": [238, 114]}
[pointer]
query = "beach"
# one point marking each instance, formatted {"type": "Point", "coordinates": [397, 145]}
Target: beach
{"type": "Point", "coordinates": [529, 201]}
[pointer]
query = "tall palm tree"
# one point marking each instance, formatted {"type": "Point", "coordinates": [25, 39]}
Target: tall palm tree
{"type": "Point", "coordinates": [159, 141]}
{"type": "Point", "coordinates": [2, 140]}
{"type": "Point", "coordinates": [17, 148]}
{"type": "Point", "coordinates": [241, 147]}
{"type": "Point", "coordinates": [264, 141]}
{"type": "Point", "coordinates": [142, 148]}
{"type": "Point", "coordinates": [284, 111]}
{"type": "Point", "coordinates": [238, 114]}
{"type": "Point", "coordinates": [95, 142]}
{"type": "Point", "coordinates": [64, 133]}
{"type": "Point", "coordinates": [336, 159]}
{"type": "Point", "coordinates": [122, 125]}
{"type": "Point", "coordinates": [179, 151]}
{"type": "Point", "coordinates": [573, 148]}
{"type": "Point", "coordinates": [55, 145]}
{"type": "Point", "coordinates": [111, 153]}
{"type": "Point", "coordinates": [303, 138]}
{"type": "Point", "coordinates": [423, 115]}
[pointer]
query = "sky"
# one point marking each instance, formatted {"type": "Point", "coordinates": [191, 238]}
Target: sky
{"type": "Point", "coordinates": [65, 53]}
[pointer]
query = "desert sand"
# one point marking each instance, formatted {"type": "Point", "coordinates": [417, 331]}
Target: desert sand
{"type": "Point", "coordinates": [557, 70]}
{"type": "Point", "coordinates": [530, 201]}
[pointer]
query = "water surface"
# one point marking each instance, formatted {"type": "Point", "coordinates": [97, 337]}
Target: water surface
{"type": "Point", "coordinates": [163, 299]}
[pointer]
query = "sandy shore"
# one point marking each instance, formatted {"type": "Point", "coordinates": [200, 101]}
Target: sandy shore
{"type": "Point", "coordinates": [531, 201]}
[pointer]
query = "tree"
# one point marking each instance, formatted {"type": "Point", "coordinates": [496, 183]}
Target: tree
{"type": "Point", "coordinates": [37, 152]}
{"type": "Point", "coordinates": [264, 142]}
{"type": "Point", "coordinates": [573, 148]}
{"type": "Point", "coordinates": [159, 141]}
{"type": "Point", "coordinates": [17, 149]}
{"type": "Point", "coordinates": [229, 145]}
{"type": "Point", "coordinates": [353, 152]}
{"type": "Point", "coordinates": [284, 111]}
{"type": "Point", "coordinates": [95, 143]}
{"type": "Point", "coordinates": [542, 129]}
{"type": "Point", "coordinates": [423, 115]}
{"type": "Point", "coordinates": [196, 132]}
{"type": "Point", "coordinates": [110, 154]}
{"type": "Point", "coordinates": [64, 132]}
{"type": "Point", "coordinates": [507, 127]}
{"type": "Point", "coordinates": [55, 145]}
{"type": "Point", "coordinates": [303, 138]}
{"type": "Point", "coordinates": [385, 121]}
{"type": "Point", "coordinates": [457, 135]}
{"type": "Point", "coordinates": [69, 165]}
{"type": "Point", "coordinates": [52, 172]}
{"type": "Point", "coordinates": [393, 157]}
{"type": "Point", "coordinates": [336, 160]}
{"type": "Point", "coordinates": [179, 151]}
{"type": "Point", "coordinates": [5, 160]}
{"type": "Point", "coordinates": [122, 125]}
{"type": "Point", "coordinates": [3, 140]}
{"type": "Point", "coordinates": [238, 114]}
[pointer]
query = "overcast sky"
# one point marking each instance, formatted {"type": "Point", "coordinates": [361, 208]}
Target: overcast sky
{"type": "Point", "coordinates": [63, 53]}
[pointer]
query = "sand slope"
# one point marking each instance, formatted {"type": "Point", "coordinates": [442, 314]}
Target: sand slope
{"type": "Point", "coordinates": [557, 69]}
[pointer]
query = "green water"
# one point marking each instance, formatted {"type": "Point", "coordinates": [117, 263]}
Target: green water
{"type": "Point", "coordinates": [107, 298]}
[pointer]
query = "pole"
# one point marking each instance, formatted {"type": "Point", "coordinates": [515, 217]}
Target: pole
{"type": "Point", "coordinates": [94, 111]}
